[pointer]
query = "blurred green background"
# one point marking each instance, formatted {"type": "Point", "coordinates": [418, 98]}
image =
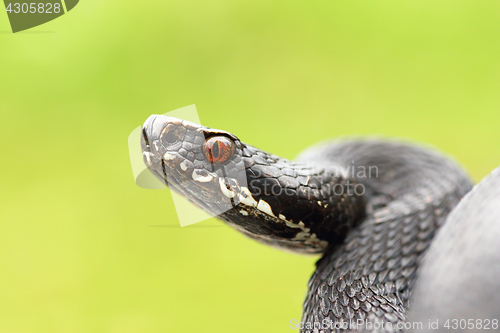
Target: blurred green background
{"type": "Point", "coordinates": [79, 250]}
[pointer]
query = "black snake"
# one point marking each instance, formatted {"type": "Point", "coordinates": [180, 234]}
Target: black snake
{"type": "Point", "coordinates": [371, 206]}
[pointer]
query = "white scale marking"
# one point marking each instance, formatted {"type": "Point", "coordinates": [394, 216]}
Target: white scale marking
{"type": "Point", "coordinates": [246, 198]}
{"type": "Point", "coordinates": [148, 158]}
{"type": "Point", "coordinates": [264, 207]}
{"type": "Point", "coordinates": [316, 241]}
{"type": "Point", "coordinates": [200, 178]}
{"type": "Point", "coordinates": [303, 235]}
{"type": "Point", "coordinates": [228, 193]}
{"type": "Point", "coordinates": [168, 156]}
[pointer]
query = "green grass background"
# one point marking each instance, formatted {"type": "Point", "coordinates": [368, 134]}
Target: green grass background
{"type": "Point", "coordinates": [78, 252]}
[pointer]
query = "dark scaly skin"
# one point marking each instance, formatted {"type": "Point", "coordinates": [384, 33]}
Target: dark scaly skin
{"type": "Point", "coordinates": [369, 276]}
{"type": "Point", "coordinates": [366, 276]}
{"type": "Point", "coordinates": [458, 280]}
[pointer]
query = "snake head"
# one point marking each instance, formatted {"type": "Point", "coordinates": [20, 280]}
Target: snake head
{"type": "Point", "coordinates": [200, 163]}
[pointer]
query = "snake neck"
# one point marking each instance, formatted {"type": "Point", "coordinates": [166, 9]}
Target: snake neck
{"type": "Point", "coordinates": [296, 206]}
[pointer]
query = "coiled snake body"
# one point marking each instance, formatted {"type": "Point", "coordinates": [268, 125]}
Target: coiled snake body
{"type": "Point", "coordinates": [371, 206]}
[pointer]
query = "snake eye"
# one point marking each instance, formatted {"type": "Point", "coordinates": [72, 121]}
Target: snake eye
{"type": "Point", "coordinates": [218, 149]}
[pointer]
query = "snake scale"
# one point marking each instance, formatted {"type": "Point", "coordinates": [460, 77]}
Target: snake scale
{"type": "Point", "coordinates": [371, 206]}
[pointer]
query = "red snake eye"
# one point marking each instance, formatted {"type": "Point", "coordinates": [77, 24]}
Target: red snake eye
{"type": "Point", "coordinates": [218, 149]}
